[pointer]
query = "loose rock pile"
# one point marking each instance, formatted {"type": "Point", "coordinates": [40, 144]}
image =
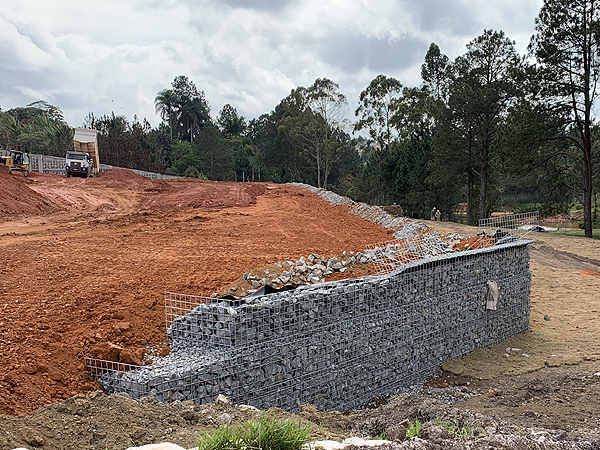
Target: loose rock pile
{"type": "Point", "coordinates": [305, 271]}
{"type": "Point", "coordinates": [413, 241]}
{"type": "Point", "coordinates": [403, 227]}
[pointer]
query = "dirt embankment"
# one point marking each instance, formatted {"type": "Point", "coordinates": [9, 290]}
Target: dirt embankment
{"type": "Point", "coordinates": [84, 270]}
{"type": "Point", "coordinates": [91, 281]}
{"type": "Point", "coordinates": [17, 198]}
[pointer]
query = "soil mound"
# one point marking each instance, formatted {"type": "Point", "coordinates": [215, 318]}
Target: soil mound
{"type": "Point", "coordinates": [193, 193]}
{"type": "Point", "coordinates": [17, 198]}
{"type": "Point", "coordinates": [122, 179]}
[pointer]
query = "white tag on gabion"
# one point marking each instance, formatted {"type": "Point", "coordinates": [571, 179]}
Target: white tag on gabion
{"type": "Point", "coordinates": [492, 295]}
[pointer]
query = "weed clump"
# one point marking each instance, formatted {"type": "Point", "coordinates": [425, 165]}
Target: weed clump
{"type": "Point", "coordinates": [265, 434]}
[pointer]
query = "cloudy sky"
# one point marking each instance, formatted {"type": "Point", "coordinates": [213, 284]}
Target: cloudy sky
{"type": "Point", "coordinates": [115, 55]}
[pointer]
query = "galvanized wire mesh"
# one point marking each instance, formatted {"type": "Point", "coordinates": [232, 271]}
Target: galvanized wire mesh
{"type": "Point", "coordinates": [517, 225]}
{"type": "Point", "coordinates": [336, 345]}
{"type": "Point", "coordinates": [180, 304]}
{"type": "Point", "coordinates": [391, 255]}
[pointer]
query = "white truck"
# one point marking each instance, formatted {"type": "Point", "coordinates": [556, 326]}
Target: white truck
{"type": "Point", "coordinates": [78, 164]}
{"type": "Point", "coordinates": [83, 160]}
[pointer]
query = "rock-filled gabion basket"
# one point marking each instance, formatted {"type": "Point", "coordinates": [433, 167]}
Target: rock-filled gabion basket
{"type": "Point", "coordinates": [337, 345]}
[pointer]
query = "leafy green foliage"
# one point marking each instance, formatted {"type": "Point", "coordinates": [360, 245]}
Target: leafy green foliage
{"type": "Point", "coordinates": [267, 433]}
{"type": "Point", "coordinates": [312, 120]}
{"type": "Point", "coordinates": [230, 123]}
{"type": "Point", "coordinates": [481, 91]}
{"type": "Point", "coordinates": [184, 108]}
{"type": "Point", "coordinates": [133, 145]}
{"type": "Point", "coordinates": [413, 428]}
{"type": "Point", "coordinates": [433, 70]}
{"type": "Point", "coordinates": [567, 49]}
{"type": "Point", "coordinates": [377, 104]}
{"type": "Point", "coordinates": [37, 128]}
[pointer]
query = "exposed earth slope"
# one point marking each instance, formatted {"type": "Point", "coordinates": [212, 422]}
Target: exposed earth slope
{"type": "Point", "coordinates": [84, 265]}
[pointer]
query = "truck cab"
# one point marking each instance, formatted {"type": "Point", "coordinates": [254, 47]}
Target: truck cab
{"type": "Point", "coordinates": [78, 164]}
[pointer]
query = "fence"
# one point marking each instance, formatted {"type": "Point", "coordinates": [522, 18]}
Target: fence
{"type": "Point", "coordinates": [56, 165]}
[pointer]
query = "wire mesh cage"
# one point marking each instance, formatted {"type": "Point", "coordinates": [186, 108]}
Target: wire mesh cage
{"type": "Point", "coordinates": [336, 345]}
{"type": "Point", "coordinates": [177, 305]}
{"type": "Point", "coordinates": [509, 227]}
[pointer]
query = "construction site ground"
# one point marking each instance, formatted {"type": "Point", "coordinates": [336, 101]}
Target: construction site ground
{"type": "Point", "coordinates": [85, 263]}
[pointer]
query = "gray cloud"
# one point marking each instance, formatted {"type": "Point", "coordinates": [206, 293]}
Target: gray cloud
{"type": "Point", "coordinates": [115, 55]}
{"type": "Point", "coordinates": [441, 16]}
{"type": "Point", "coordinates": [351, 52]}
{"type": "Point", "coordinates": [262, 5]}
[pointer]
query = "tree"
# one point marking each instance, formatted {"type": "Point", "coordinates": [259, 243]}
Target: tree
{"type": "Point", "coordinates": [165, 104]}
{"type": "Point", "coordinates": [230, 123]}
{"type": "Point", "coordinates": [36, 128]}
{"type": "Point", "coordinates": [567, 48]}
{"type": "Point", "coordinates": [315, 114]}
{"type": "Point", "coordinates": [135, 145]}
{"type": "Point", "coordinates": [433, 70]}
{"type": "Point", "coordinates": [376, 108]}
{"type": "Point", "coordinates": [277, 158]}
{"type": "Point", "coordinates": [183, 107]}
{"type": "Point", "coordinates": [217, 161]}
{"type": "Point", "coordinates": [482, 89]}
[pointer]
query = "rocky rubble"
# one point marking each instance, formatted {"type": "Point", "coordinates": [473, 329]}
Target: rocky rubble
{"type": "Point", "coordinates": [305, 271]}
{"type": "Point", "coordinates": [96, 421]}
{"type": "Point", "coordinates": [412, 240]}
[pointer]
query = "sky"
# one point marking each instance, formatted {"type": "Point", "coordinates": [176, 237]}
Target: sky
{"type": "Point", "coordinates": [115, 55]}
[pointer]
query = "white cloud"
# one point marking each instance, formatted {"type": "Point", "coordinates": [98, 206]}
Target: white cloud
{"type": "Point", "coordinates": [110, 55]}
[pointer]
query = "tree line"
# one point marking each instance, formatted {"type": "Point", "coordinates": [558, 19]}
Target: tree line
{"type": "Point", "coordinates": [487, 125]}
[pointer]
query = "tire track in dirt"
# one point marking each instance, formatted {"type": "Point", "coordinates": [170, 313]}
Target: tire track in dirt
{"type": "Point", "coordinates": [547, 255]}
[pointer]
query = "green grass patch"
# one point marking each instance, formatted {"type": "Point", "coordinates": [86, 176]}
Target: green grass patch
{"type": "Point", "coordinates": [267, 433]}
{"type": "Point", "coordinates": [454, 427]}
{"type": "Point", "coordinates": [413, 428]}
{"type": "Point", "coordinates": [579, 233]}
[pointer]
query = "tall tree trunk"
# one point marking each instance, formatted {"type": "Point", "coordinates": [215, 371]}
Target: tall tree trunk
{"type": "Point", "coordinates": [318, 168]}
{"type": "Point", "coordinates": [469, 194]}
{"type": "Point", "coordinates": [587, 193]}
{"type": "Point", "coordinates": [483, 175]}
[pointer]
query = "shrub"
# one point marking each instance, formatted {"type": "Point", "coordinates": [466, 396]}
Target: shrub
{"type": "Point", "coordinates": [267, 433]}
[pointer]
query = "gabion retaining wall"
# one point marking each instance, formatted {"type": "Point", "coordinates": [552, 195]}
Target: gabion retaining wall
{"type": "Point", "coordinates": [337, 345]}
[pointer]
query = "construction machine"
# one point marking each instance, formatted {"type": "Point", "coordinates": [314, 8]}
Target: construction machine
{"type": "Point", "coordinates": [83, 160]}
{"type": "Point", "coordinates": [16, 162]}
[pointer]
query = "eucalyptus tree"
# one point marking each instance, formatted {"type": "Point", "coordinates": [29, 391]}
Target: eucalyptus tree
{"type": "Point", "coordinates": [315, 115]}
{"type": "Point", "coordinates": [567, 49]}
{"type": "Point", "coordinates": [377, 104]}
{"type": "Point", "coordinates": [433, 70]}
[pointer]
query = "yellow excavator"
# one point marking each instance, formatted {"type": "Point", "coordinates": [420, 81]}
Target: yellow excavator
{"type": "Point", "coordinates": [16, 162]}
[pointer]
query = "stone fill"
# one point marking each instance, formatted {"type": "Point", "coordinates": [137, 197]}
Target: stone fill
{"type": "Point", "coordinates": [338, 345]}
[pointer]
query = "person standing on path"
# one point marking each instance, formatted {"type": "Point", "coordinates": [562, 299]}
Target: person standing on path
{"type": "Point", "coordinates": [438, 215]}
{"type": "Point", "coordinates": [433, 214]}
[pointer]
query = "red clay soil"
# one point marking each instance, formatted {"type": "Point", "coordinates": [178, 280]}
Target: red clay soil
{"type": "Point", "coordinates": [589, 273]}
{"type": "Point", "coordinates": [17, 198]}
{"type": "Point", "coordinates": [474, 243]}
{"type": "Point", "coordinates": [90, 278]}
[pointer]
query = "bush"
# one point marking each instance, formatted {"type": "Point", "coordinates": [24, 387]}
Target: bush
{"type": "Point", "coordinates": [265, 434]}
